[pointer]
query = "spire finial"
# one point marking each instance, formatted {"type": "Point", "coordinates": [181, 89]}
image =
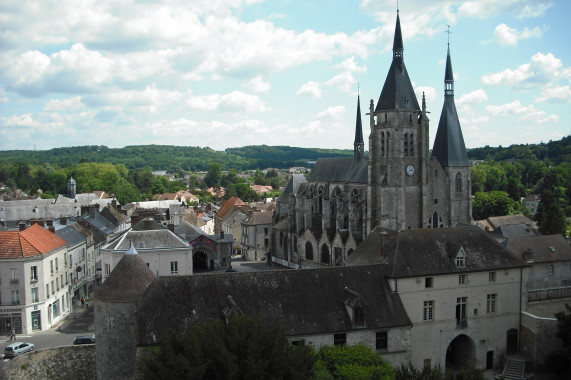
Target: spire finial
{"type": "Point", "coordinates": [448, 32]}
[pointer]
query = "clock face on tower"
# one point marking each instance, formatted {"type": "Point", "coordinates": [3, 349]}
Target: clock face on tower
{"type": "Point", "coordinates": [410, 170]}
{"type": "Point", "coordinates": [359, 148]}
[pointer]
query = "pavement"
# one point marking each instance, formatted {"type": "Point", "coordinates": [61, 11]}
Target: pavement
{"type": "Point", "coordinates": [80, 320]}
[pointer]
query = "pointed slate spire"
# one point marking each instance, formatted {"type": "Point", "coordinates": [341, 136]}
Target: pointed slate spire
{"type": "Point", "coordinates": [358, 145]}
{"type": "Point", "coordinates": [397, 91]}
{"type": "Point", "coordinates": [449, 147]}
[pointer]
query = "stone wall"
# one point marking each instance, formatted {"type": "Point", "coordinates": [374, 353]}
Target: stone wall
{"type": "Point", "coordinates": [72, 362]}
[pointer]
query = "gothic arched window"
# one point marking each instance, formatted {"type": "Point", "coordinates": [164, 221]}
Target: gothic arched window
{"type": "Point", "coordinates": [406, 144]}
{"type": "Point", "coordinates": [325, 254]}
{"type": "Point", "coordinates": [458, 182]}
{"type": "Point", "coordinates": [308, 251]}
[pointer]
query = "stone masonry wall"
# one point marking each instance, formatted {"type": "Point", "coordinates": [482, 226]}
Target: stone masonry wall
{"type": "Point", "coordinates": [72, 362]}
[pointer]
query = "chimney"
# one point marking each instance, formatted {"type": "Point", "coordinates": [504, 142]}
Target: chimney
{"type": "Point", "coordinates": [49, 222]}
{"type": "Point", "coordinates": [147, 224]}
{"type": "Point", "coordinates": [84, 209]}
{"type": "Point", "coordinates": [171, 226]}
{"type": "Point", "coordinates": [21, 225]}
{"type": "Point", "coordinates": [114, 203]}
{"type": "Point", "coordinates": [52, 229]}
{"type": "Point", "coordinates": [221, 234]}
{"type": "Point", "coordinates": [37, 221]}
{"type": "Point", "coordinates": [63, 220]}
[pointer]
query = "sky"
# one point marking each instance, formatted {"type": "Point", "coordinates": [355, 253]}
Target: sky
{"type": "Point", "coordinates": [231, 73]}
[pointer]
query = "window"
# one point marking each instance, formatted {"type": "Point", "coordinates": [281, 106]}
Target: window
{"type": "Point", "coordinates": [428, 282]}
{"type": "Point", "coordinates": [265, 231]}
{"type": "Point", "coordinates": [428, 310]}
{"type": "Point", "coordinates": [141, 244]}
{"type": "Point", "coordinates": [14, 276]}
{"type": "Point", "coordinates": [461, 279]}
{"type": "Point", "coordinates": [34, 273]}
{"type": "Point", "coordinates": [492, 277]}
{"type": "Point", "coordinates": [551, 269]}
{"type": "Point", "coordinates": [57, 283]}
{"type": "Point", "coordinates": [35, 297]}
{"type": "Point", "coordinates": [174, 267]}
{"type": "Point", "coordinates": [61, 280]}
{"type": "Point", "coordinates": [51, 266]}
{"type": "Point", "coordinates": [47, 290]}
{"type": "Point", "coordinates": [53, 288]}
{"type": "Point", "coordinates": [461, 305]}
{"type": "Point", "coordinates": [266, 242]}
{"type": "Point", "coordinates": [15, 296]}
{"type": "Point", "coordinates": [300, 342]}
{"type": "Point", "coordinates": [460, 259]}
{"type": "Point", "coordinates": [308, 251]}
{"type": "Point", "coordinates": [381, 340]}
{"type": "Point", "coordinates": [458, 182]}
{"type": "Point", "coordinates": [324, 254]}
{"type": "Point", "coordinates": [359, 316]}
{"type": "Point", "coordinates": [491, 304]}
{"type": "Point", "coordinates": [339, 339]}
{"type": "Point", "coordinates": [70, 261]}
{"type": "Point", "coordinates": [57, 268]}
{"type": "Point", "coordinates": [107, 269]}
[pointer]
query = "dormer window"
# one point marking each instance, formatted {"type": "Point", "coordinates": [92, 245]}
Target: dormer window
{"type": "Point", "coordinates": [461, 259]}
{"type": "Point", "coordinates": [359, 316]}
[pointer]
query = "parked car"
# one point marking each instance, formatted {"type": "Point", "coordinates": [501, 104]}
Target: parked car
{"type": "Point", "coordinates": [84, 340]}
{"type": "Point", "coordinates": [16, 349]}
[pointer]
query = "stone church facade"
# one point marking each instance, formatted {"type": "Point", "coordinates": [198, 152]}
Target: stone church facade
{"type": "Point", "coordinates": [322, 219]}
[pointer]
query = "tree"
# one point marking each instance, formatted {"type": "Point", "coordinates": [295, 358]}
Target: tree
{"type": "Point", "coordinates": [351, 362]}
{"type": "Point", "coordinates": [493, 203]}
{"type": "Point", "coordinates": [239, 348]}
{"type": "Point", "coordinates": [214, 175]}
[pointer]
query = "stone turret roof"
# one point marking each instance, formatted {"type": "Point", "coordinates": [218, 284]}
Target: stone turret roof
{"type": "Point", "coordinates": [397, 91]}
{"type": "Point", "coordinates": [449, 147]}
{"type": "Point", "coordinates": [128, 280]}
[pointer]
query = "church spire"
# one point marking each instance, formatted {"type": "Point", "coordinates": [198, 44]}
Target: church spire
{"type": "Point", "coordinates": [397, 93]}
{"type": "Point", "coordinates": [449, 146]}
{"type": "Point", "coordinates": [358, 145]}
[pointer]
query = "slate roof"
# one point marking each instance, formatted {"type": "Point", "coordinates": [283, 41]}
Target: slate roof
{"type": "Point", "coordinates": [340, 169]}
{"type": "Point", "coordinates": [449, 147]}
{"type": "Point", "coordinates": [497, 221]}
{"type": "Point", "coordinates": [294, 186]}
{"type": "Point", "coordinates": [432, 251]}
{"type": "Point", "coordinates": [543, 249]}
{"type": "Point", "coordinates": [70, 234]}
{"type": "Point", "coordinates": [260, 217]}
{"type": "Point", "coordinates": [127, 281]}
{"type": "Point", "coordinates": [397, 88]}
{"type": "Point", "coordinates": [149, 239]}
{"type": "Point", "coordinates": [33, 241]}
{"type": "Point", "coordinates": [281, 295]}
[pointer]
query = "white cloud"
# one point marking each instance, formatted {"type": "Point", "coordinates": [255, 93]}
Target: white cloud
{"type": "Point", "coordinates": [258, 85]}
{"type": "Point", "coordinates": [510, 36]}
{"type": "Point", "coordinates": [343, 82]}
{"type": "Point", "coordinates": [560, 94]}
{"type": "Point", "coordinates": [490, 8]}
{"type": "Point", "coordinates": [429, 94]}
{"type": "Point", "coordinates": [310, 88]}
{"type": "Point", "coordinates": [236, 101]}
{"type": "Point", "coordinates": [541, 70]}
{"type": "Point", "coordinates": [526, 113]}
{"type": "Point", "coordinates": [69, 104]}
{"type": "Point", "coordinates": [478, 96]}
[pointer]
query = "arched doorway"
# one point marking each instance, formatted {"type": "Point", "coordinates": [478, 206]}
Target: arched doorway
{"type": "Point", "coordinates": [460, 353]}
{"type": "Point", "coordinates": [199, 261]}
{"type": "Point", "coordinates": [308, 251]}
{"type": "Point", "coordinates": [325, 255]}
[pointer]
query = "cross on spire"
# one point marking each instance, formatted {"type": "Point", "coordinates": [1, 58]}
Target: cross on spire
{"type": "Point", "coordinates": [448, 32]}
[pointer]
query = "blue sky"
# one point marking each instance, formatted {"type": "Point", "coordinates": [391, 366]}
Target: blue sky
{"type": "Point", "coordinates": [231, 73]}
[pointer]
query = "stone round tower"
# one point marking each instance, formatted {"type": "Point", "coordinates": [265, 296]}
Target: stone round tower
{"type": "Point", "coordinates": [71, 188]}
{"type": "Point", "coordinates": [115, 325]}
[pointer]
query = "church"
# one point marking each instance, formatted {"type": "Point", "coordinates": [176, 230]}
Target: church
{"type": "Point", "coordinates": [322, 219]}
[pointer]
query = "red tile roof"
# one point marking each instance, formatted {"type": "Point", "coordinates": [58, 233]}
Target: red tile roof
{"type": "Point", "coordinates": [33, 241]}
{"type": "Point", "coordinates": [228, 205]}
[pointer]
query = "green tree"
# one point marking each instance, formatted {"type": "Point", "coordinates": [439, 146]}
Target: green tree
{"type": "Point", "coordinates": [214, 175]}
{"type": "Point", "coordinates": [241, 348]}
{"type": "Point", "coordinates": [493, 203]}
{"type": "Point", "coordinates": [351, 362]}
{"type": "Point", "coordinates": [549, 216]}
{"type": "Point", "coordinates": [160, 185]}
